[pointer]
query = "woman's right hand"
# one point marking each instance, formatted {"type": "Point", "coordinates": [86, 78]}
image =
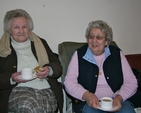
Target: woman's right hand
{"type": "Point", "coordinates": [15, 77]}
{"type": "Point", "coordinates": [91, 99]}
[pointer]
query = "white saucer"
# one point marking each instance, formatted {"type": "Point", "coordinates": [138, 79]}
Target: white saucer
{"type": "Point", "coordinates": [112, 109]}
{"type": "Point", "coordinates": [104, 109]}
{"type": "Point", "coordinates": [33, 77]}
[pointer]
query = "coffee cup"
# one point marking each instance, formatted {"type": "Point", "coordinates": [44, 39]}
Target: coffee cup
{"type": "Point", "coordinates": [27, 73]}
{"type": "Point", "coordinates": [106, 102]}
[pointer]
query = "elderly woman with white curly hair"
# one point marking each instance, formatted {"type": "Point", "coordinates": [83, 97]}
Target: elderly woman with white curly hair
{"type": "Point", "coordinates": [98, 70]}
{"type": "Point", "coordinates": [21, 48]}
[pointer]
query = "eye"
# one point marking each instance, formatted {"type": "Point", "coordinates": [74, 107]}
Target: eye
{"type": "Point", "coordinates": [15, 27]}
{"type": "Point", "coordinates": [98, 37]}
{"type": "Point", "coordinates": [24, 26]}
{"type": "Point", "coordinates": [91, 36]}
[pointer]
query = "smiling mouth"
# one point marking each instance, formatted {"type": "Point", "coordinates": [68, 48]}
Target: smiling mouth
{"type": "Point", "coordinates": [94, 45]}
{"type": "Point", "coordinates": [21, 35]}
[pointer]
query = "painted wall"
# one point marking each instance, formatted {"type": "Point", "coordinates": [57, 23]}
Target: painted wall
{"type": "Point", "coordinates": [66, 20]}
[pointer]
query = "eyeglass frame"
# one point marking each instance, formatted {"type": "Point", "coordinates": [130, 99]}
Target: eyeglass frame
{"type": "Point", "coordinates": [98, 37]}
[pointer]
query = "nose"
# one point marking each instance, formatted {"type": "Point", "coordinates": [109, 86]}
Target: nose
{"type": "Point", "coordinates": [21, 30]}
{"type": "Point", "coordinates": [94, 39]}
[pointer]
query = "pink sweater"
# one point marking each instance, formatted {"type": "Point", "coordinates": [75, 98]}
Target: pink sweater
{"type": "Point", "coordinates": [72, 86]}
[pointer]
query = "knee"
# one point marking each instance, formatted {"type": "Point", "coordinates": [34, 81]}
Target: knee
{"type": "Point", "coordinates": [88, 109]}
{"type": "Point", "coordinates": [127, 107]}
{"type": "Point", "coordinates": [27, 106]}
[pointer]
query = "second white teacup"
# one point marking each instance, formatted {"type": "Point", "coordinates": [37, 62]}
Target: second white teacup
{"type": "Point", "coordinates": [106, 102]}
{"type": "Point", "coordinates": [26, 73]}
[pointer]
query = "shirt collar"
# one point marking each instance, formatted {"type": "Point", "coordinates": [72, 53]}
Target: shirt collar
{"type": "Point", "coordinates": [89, 56]}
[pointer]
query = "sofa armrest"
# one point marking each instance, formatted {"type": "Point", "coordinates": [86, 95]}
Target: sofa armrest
{"type": "Point", "coordinates": [134, 60]}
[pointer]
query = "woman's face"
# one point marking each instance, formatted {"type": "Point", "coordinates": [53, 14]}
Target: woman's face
{"type": "Point", "coordinates": [96, 41]}
{"type": "Point", "coordinates": [19, 29]}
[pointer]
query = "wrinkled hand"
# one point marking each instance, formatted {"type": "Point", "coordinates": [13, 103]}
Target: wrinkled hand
{"type": "Point", "coordinates": [91, 99]}
{"type": "Point", "coordinates": [44, 73]}
{"type": "Point", "coordinates": [15, 77]}
{"type": "Point", "coordinates": [117, 102]}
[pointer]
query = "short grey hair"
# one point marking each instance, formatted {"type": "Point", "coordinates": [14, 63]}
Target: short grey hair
{"type": "Point", "coordinates": [105, 28]}
{"type": "Point", "coordinates": [14, 14]}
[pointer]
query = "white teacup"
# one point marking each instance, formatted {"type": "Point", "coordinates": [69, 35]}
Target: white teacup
{"type": "Point", "coordinates": [27, 73]}
{"type": "Point", "coordinates": [106, 103]}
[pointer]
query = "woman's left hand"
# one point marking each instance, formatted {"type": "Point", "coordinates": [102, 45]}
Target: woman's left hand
{"type": "Point", "coordinates": [44, 73]}
{"type": "Point", "coordinates": [117, 102]}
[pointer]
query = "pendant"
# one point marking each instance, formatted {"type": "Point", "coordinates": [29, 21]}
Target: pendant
{"type": "Point", "coordinates": [100, 73]}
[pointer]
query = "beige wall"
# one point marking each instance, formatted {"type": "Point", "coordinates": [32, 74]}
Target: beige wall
{"type": "Point", "coordinates": [66, 20]}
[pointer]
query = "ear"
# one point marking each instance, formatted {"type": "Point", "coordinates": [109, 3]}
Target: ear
{"type": "Point", "coordinates": [9, 32]}
{"type": "Point", "coordinates": [106, 43]}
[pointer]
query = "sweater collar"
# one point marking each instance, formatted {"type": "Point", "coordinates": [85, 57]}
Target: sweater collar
{"type": "Point", "coordinates": [21, 45]}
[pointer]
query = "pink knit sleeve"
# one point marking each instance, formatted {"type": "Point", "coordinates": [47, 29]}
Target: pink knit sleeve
{"type": "Point", "coordinates": [71, 84]}
{"type": "Point", "coordinates": [129, 86]}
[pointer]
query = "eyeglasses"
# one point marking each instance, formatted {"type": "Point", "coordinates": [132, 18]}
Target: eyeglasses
{"type": "Point", "coordinates": [98, 37]}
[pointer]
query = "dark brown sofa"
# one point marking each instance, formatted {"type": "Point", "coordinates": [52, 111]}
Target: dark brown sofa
{"type": "Point", "coordinates": [134, 60]}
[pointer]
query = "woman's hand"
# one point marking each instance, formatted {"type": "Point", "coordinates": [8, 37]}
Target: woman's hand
{"type": "Point", "coordinates": [117, 102]}
{"type": "Point", "coordinates": [15, 77]}
{"type": "Point", "coordinates": [44, 73]}
{"type": "Point", "coordinates": [91, 99]}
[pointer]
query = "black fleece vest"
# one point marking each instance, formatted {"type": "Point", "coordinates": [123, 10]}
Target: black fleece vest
{"type": "Point", "coordinates": [88, 72]}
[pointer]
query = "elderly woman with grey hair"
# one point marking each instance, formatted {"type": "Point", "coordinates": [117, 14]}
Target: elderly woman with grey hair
{"type": "Point", "coordinates": [21, 48]}
{"type": "Point", "coordinates": [98, 70]}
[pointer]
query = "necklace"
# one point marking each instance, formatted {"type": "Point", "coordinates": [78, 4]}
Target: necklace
{"type": "Point", "coordinates": [100, 66]}
{"type": "Point", "coordinates": [100, 73]}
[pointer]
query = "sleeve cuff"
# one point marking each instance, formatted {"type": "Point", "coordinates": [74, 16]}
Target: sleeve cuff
{"type": "Point", "coordinates": [51, 71]}
{"type": "Point", "coordinates": [12, 82]}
